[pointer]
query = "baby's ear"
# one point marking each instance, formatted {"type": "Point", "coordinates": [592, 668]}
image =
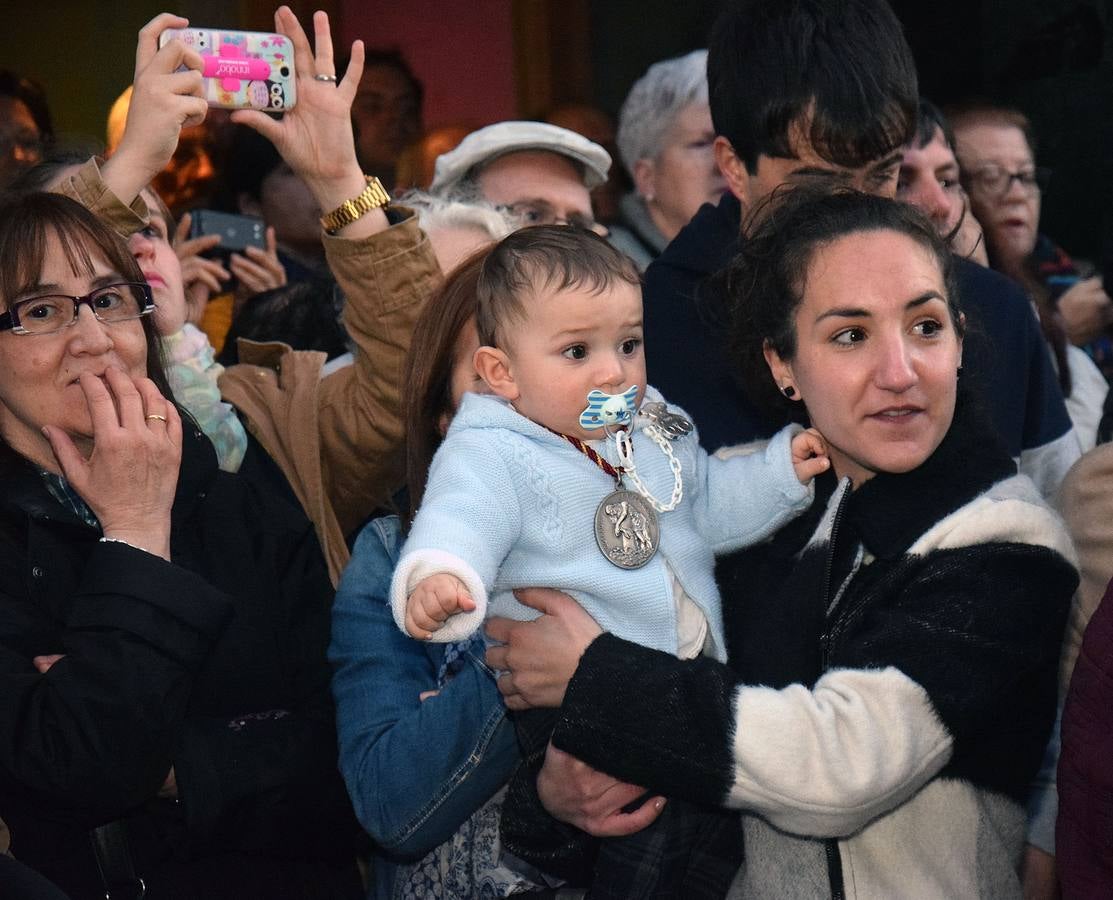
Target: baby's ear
{"type": "Point", "coordinates": [493, 366]}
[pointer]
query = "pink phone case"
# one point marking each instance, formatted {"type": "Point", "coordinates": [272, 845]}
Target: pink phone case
{"type": "Point", "coordinates": [243, 69]}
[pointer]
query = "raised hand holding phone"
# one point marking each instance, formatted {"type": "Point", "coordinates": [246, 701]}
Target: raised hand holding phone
{"type": "Point", "coordinates": [166, 97]}
{"type": "Point", "coordinates": [257, 270]}
{"type": "Point", "coordinates": [316, 139]}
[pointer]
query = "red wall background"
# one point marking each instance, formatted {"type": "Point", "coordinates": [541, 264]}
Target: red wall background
{"type": "Point", "coordinates": [463, 51]}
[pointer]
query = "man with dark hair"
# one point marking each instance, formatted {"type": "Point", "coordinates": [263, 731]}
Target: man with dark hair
{"type": "Point", "coordinates": [25, 126]}
{"type": "Point", "coordinates": [826, 91]}
{"type": "Point", "coordinates": [386, 113]}
{"type": "Point", "coordinates": [809, 90]}
{"type": "Point", "coordinates": [930, 180]}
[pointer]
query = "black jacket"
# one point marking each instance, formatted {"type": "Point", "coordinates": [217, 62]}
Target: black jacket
{"type": "Point", "coordinates": [213, 664]}
{"type": "Point", "coordinates": [1005, 357]}
{"type": "Point", "coordinates": [919, 619]}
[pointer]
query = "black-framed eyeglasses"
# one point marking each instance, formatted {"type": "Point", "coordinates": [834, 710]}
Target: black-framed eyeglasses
{"type": "Point", "coordinates": [54, 312]}
{"type": "Point", "coordinates": [995, 181]}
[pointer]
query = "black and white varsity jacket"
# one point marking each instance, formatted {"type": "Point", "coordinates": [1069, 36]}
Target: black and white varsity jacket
{"type": "Point", "coordinates": [890, 687]}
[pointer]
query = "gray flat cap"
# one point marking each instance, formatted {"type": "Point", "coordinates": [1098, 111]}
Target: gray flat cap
{"type": "Point", "coordinates": [488, 144]}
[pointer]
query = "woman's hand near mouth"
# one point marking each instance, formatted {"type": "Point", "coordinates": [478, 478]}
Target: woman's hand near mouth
{"type": "Point", "coordinates": [129, 478]}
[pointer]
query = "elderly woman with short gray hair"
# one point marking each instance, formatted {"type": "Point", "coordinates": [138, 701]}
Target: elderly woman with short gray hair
{"type": "Point", "coordinates": [665, 140]}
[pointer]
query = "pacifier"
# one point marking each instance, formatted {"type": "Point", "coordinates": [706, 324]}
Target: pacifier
{"type": "Point", "coordinates": [609, 410]}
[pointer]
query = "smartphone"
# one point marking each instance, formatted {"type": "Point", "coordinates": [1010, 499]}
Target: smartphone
{"type": "Point", "coordinates": [242, 69]}
{"type": "Point", "coordinates": [236, 232]}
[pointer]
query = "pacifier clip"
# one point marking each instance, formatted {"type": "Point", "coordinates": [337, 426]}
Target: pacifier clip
{"type": "Point", "coordinates": [626, 526]}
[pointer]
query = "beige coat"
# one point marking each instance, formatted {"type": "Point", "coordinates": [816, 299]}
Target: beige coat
{"type": "Point", "coordinates": [338, 440]}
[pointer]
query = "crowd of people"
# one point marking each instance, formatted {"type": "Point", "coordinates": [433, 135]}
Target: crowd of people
{"type": "Point", "coordinates": [503, 523]}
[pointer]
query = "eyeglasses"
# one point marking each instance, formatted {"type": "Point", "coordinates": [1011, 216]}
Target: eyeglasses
{"type": "Point", "coordinates": [995, 181]}
{"type": "Point", "coordinates": [53, 312]}
{"type": "Point", "coordinates": [538, 212]}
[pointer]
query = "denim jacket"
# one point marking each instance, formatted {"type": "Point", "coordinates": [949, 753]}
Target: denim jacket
{"type": "Point", "coordinates": [415, 770]}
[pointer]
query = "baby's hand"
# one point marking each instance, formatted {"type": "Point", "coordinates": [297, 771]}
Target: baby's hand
{"type": "Point", "coordinates": [432, 601]}
{"type": "Point", "coordinates": [809, 455]}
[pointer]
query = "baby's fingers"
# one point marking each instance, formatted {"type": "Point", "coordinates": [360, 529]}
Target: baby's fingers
{"type": "Point", "coordinates": [464, 601]}
{"type": "Point", "coordinates": [807, 444]}
{"type": "Point", "coordinates": [808, 469]}
{"type": "Point", "coordinates": [419, 624]}
{"type": "Point", "coordinates": [815, 441]}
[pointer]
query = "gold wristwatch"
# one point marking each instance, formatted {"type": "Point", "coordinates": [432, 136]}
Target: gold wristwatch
{"type": "Point", "coordinates": [374, 196]}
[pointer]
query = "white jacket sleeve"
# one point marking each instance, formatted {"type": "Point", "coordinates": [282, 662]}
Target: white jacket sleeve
{"type": "Point", "coordinates": [469, 519]}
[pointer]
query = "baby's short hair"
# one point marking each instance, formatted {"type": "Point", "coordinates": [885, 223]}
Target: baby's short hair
{"type": "Point", "coordinates": [538, 258]}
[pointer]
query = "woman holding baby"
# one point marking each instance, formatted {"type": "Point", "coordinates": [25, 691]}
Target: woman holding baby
{"type": "Point", "coordinates": [891, 654]}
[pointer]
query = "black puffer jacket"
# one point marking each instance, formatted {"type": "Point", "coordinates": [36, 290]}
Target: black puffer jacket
{"type": "Point", "coordinates": [213, 664]}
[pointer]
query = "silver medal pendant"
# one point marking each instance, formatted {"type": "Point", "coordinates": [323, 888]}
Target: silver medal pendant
{"type": "Point", "coordinates": [626, 529]}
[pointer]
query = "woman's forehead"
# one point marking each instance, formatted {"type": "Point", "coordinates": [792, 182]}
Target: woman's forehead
{"type": "Point", "coordinates": [864, 263]}
{"type": "Point", "coordinates": [66, 251]}
{"type": "Point", "coordinates": [992, 141]}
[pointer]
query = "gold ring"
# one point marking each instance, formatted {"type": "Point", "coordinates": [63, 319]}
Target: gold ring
{"type": "Point", "coordinates": [155, 416]}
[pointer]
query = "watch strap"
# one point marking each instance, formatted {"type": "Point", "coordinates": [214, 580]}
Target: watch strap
{"type": "Point", "coordinates": [374, 196]}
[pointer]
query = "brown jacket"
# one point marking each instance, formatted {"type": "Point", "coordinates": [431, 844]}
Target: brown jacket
{"type": "Point", "coordinates": [338, 440]}
{"type": "Point", "coordinates": [88, 188]}
{"type": "Point", "coordinates": [1086, 502]}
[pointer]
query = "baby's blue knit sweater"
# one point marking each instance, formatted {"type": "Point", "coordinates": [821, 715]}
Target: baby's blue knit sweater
{"type": "Point", "coordinates": [509, 504]}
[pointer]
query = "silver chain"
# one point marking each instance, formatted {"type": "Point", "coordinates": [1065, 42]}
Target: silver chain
{"type": "Point", "coordinates": [626, 460]}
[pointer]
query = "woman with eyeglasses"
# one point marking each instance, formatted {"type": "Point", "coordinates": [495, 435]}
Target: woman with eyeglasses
{"type": "Point", "coordinates": [996, 152]}
{"type": "Point", "coordinates": [162, 624]}
{"type": "Point", "coordinates": [166, 724]}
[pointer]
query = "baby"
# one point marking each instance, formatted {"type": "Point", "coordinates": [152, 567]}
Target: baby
{"type": "Point", "coordinates": [573, 474]}
{"type": "Point", "coordinates": [576, 476]}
